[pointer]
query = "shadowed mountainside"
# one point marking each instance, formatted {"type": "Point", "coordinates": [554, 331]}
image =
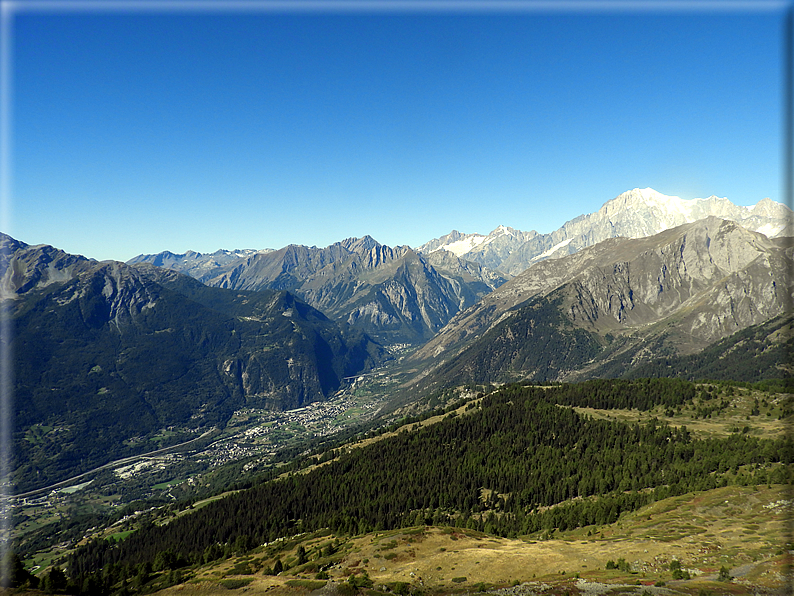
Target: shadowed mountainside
{"type": "Point", "coordinates": [107, 355]}
{"type": "Point", "coordinates": [393, 294]}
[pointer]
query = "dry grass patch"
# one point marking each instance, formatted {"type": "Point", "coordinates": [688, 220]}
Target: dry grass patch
{"type": "Point", "coordinates": [737, 417]}
{"type": "Point", "coordinates": [737, 527]}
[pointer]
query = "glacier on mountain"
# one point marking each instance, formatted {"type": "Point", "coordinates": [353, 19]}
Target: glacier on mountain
{"type": "Point", "coordinates": [636, 213]}
{"type": "Point", "coordinates": [461, 247]}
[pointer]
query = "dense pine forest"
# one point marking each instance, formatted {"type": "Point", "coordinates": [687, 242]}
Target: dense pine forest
{"type": "Point", "coordinates": [495, 467]}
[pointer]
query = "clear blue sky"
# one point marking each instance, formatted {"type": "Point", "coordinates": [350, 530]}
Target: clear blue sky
{"type": "Point", "coordinates": [146, 130]}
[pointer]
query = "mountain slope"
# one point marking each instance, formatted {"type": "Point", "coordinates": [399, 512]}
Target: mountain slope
{"type": "Point", "coordinates": [110, 355]}
{"type": "Point", "coordinates": [495, 465]}
{"type": "Point", "coordinates": [636, 213]}
{"type": "Point", "coordinates": [680, 291]}
{"type": "Point", "coordinates": [391, 293]}
{"type": "Point", "coordinates": [753, 354]}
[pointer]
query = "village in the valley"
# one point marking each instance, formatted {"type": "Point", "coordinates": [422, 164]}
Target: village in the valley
{"type": "Point", "coordinates": [254, 437]}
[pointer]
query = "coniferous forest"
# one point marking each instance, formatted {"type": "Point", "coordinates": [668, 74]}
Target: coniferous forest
{"type": "Point", "coordinates": [494, 467]}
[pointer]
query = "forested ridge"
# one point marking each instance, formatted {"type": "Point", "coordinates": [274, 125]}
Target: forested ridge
{"type": "Point", "coordinates": [753, 354]}
{"type": "Point", "coordinates": [536, 343]}
{"type": "Point", "coordinates": [494, 468]}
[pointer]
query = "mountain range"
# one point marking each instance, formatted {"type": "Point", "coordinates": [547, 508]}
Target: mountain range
{"type": "Point", "coordinates": [196, 264]}
{"type": "Point", "coordinates": [620, 304]}
{"type": "Point", "coordinates": [122, 352]}
{"type": "Point", "coordinates": [114, 360]}
{"type": "Point", "coordinates": [393, 294]}
{"type": "Point", "coordinates": [403, 295]}
{"type": "Point", "coordinates": [109, 356]}
{"type": "Point", "coordinates": [633, 214]}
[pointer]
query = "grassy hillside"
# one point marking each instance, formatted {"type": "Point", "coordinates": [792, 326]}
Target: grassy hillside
{"type": "Point", "coordinates": [522, 461]}
{"type": "Point", "coordinates": [741, 529]}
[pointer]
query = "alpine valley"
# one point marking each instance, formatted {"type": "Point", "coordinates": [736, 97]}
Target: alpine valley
{"type": "Point", "coordinates": [596, 410]}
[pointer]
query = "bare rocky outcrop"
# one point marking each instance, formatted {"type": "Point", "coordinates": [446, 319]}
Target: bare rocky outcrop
{"type": "Point", "coordinates": [698, 282]}
{"type": "Point", "coordinates": [24, 268]}
{"type": "Point", "coordinates": [394, 294]}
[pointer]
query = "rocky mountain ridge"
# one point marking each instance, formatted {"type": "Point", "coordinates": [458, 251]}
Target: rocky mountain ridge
{"type": "Point", "coordinates": [633, 214]}
{"type": "Point", "coordinates": [196, 264]}
{"type": "Point", "coordinates": [686, 287]}
{"type": "Point", "coordinates": [460, 244]}
{"type": "Point", "coordinates": [400, 295]}
{"type": "Point", "coordinates": [394, 294]}
{"type": "Point", "coordinates": [27, 268]}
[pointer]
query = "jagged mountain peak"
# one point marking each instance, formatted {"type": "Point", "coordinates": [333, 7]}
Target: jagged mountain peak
{"type": "Point", "coordinates": [456, 242]}
{"type": "Point", "coordinates": [360, 245]}
{"type": "Point", "coordinates": [683, 288]}
{"type": "Point", "coordinates": [197, 264]}
{"type": "Point", "coordinates": [461, 244]}
{"type": "Point", "coordinates": [635, 213]}
{"type": "Point", "coordinates": [508, 232]}
{"type": "Point", "coordinates": [501, 230]}
{"type": "Point", "coordinates": [7, 243]}
{"type": "Point", "coordinates": [391, 293]}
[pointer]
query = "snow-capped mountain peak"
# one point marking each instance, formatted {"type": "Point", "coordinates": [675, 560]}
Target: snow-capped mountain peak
{"type": "Point", "coordinates": [636, 213]}
{"type": "Point", "coordinates": [460, 244]}
{"type": "Point", "coordinates": [464, 245]}
{"type": "Point", "coordinates": [644, 211]}
{"type": "Point", "coordinates": [454, 242]}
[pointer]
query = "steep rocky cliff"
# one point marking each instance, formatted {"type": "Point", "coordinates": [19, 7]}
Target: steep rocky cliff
{"type": "Point", "coordinates": [687, 287]}
{"type": "Point", "coordinates": [393, 294]}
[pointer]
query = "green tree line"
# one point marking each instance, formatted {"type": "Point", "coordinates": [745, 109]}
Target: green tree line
{"type": "Point", "coordinates": [518, 444]}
